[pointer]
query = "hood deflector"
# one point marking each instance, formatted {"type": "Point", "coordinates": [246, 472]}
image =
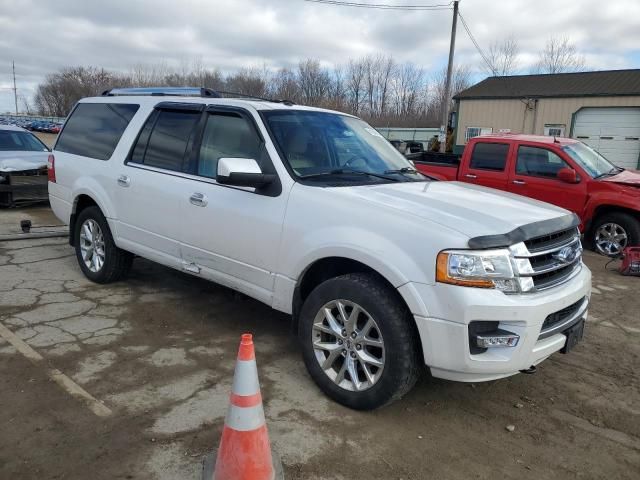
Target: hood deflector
{"type": "Point", "coordinates": [525, 232]}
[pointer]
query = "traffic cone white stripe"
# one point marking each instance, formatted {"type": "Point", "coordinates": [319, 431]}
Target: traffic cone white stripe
{"type": "Point", "coordinates": [244, 419]}
{"type": "Point", "coordinates": [245, 378]}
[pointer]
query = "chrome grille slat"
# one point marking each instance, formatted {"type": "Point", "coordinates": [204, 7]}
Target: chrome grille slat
{"type": "Point", "coordinates": [541, 259]}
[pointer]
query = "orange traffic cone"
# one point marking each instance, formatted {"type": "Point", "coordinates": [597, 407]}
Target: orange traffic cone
{"type": "Point", "coordinates": [244, 453]}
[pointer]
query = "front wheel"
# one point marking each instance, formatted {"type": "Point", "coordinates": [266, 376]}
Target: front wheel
{"type": "Point", "coordinates": [359, 342]}
{"type": "Point", "coordinates": [613, 232]}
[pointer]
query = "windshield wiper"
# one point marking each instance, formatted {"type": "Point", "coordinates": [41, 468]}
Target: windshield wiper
{"type": "Point", "coordinates": [347, 171]}
{"type": "Point", "coordinates": [613, 171]}
{"type": "Point", "coordinates": [404, 171]}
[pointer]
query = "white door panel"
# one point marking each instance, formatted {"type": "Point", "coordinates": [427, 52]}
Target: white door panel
{"type": "Point", "coordinates": [614, 132]}
{"type": "Point", "coordinates": [236, 234]}
{"type": "Point", "coordinates": [149, 211]}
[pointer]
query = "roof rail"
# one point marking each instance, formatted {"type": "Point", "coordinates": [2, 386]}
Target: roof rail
{"type": "Point", "coordinates": [254, 97]}
{"type": "Point", "coordinates": [163, 91]}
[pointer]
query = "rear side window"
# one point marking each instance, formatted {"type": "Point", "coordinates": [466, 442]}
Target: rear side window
{"type": "Point", "coordinates": [489, 156]}
{"type": "Point", "coordinates": [94, 129]}
{"type": "Point", "coordinates": [164, 138]}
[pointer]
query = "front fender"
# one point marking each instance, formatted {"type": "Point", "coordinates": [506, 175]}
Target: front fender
{"type": "Point", "coordinates": [377, 252]}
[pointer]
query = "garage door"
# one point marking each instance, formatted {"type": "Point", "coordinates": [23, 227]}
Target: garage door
{"type": "Point", "coordinates": [614, 132]}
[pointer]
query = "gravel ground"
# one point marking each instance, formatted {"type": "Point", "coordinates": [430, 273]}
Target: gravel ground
{"type": "Point", "coordinates": [158, 350]}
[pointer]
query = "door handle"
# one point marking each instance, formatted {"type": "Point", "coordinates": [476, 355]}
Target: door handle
{"type": "Point", "coordinates": [519, 182]}
{"type": "Point", "coordinates": [124, 181]}
{"type": "Point", "coordinates": [471, 175]}
{"type": "Point", "coordinates": [198, 199]}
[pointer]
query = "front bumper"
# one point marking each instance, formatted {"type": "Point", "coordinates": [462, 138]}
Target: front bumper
{"type": "Point", "coordinates": [23, 187]}
{"type": "Point", "coordinates": [443, 313]}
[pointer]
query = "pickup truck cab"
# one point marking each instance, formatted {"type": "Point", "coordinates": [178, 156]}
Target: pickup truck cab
{"type": "Point", "coordinates": [315, 214]}
{"type": "Point", "coordinates": [561, 171]}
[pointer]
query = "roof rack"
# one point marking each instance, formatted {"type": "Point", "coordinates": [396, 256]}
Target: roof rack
{"type": "Point", "coordinates": [186, 92]}
{"type": "Point", "coordinates": [163, 91]}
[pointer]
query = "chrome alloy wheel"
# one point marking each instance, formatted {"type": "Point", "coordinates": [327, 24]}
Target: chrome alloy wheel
{"type": "Point", "coordinates": [611, 239]}
{"type": "Point", "coordinates": [348, 345]}
{"type": "Point", "coordinates": [92, 245]}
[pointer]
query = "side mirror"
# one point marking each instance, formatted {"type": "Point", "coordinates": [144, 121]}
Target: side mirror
{"type": "Point", "coordinates": [242, 172]}
{"type": "Point", "coordinates": [568, 175]}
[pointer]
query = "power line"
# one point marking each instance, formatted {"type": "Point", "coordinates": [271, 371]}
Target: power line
{"type": "Point", "coordinates": [384, 6]}
{"type": "Point", "coordinates": [475, 43]}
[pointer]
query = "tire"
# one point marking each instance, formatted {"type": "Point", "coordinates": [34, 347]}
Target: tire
{"type": "Point", "coordinates": [116, 262]}
{"type": "Point", "coordinates": [395, 328]}
{"type": "Point", "coordinates": [621, 222]}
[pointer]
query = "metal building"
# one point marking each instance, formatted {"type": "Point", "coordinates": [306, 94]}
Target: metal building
{"type": "Point", "coordinates": [601, 109]}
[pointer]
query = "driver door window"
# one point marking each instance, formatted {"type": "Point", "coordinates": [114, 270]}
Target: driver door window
{"type": "Point", "coordinates": [228, 135]}
{"type": "Point", "coordinates": [538, 162]}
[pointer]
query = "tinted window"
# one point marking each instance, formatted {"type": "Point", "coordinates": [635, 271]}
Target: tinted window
{"type": "Point", "coordinates": [227, 136]}
{"type": "Point", "coordinates": [538, 162]}
{"type": "Point", "coordinates": [16, 141]}
{"type": "Point", "coordinates": [164, 138]}
{"type": "Point", "coordinates": [489, 156]}
{"type": "Point", "coordinates": [94, 129]}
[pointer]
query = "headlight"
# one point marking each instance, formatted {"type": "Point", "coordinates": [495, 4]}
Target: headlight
{"type": "Point", "coordinates": [482, 269]}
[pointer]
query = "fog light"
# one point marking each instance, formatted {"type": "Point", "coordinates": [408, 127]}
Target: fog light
{"type": "Point", "coordinates": [497, 338]}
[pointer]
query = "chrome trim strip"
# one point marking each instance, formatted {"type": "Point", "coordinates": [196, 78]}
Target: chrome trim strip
{"type": "Point", "coordinates": [546, 251]}
{"type": "Point", "coordinates": [575, 318]}
{"type": "Point", "coordinates": [557, 281]}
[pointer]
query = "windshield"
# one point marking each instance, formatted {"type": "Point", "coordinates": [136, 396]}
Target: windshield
{"type": "Point", "coordinates": [16, 141]}
{"type": "Point", "coordinates": [337, 148]}
{"type": "Point", "coordinates": [590, 160]}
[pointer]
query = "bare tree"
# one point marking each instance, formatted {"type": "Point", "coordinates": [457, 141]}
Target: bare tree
{"type": "Point", "coordinates": [503, 57]}
{"type": "Point", "coordinates": [355, 82]}
{"type": "Point", "coordinates": [314, 81]}
{"type": "Point", "coordinates": [247, 81]}
{"type": "Point", "coordinates": [460, 80]}
{"type": "Point", "coordinates": [559, 56]}
{"type": "Point", "coordinates": [407, 85]}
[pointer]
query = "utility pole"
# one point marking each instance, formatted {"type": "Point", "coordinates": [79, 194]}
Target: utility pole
{"type": "Point", "coordinates": [15, 90]}
{"type": "Point", "coordinates": [447, 86]}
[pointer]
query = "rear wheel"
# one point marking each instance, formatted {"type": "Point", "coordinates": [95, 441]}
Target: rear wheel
{"type": "Point", "coordinates": [99, 258]}
{"type": "Point", "coordinates": [359, 342]}
{"type": "Point", "coordinates": [613, 232]}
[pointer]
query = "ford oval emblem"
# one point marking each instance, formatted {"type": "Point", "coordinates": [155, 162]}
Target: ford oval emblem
{"type": "Point", "coordinates": [567, 255]}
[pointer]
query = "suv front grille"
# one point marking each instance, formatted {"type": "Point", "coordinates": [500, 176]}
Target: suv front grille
{"type": "Point", "coordinates": [549, 241]}
{"type": "Point", "coordinates": [549, 260]}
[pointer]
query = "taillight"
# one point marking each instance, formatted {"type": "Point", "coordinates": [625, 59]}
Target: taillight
{"type": "Point", "coordinates": [51, 168]}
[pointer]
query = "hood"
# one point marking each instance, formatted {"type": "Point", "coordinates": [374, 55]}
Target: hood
{"type": "Point", "coordinates": [468, 209]}
{"type": "Point", "coordinates": [19, 161]}
{"type": "Point", "coordinates": [626, 177]}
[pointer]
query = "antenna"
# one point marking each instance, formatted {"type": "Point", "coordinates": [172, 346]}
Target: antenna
{"type": "Point", "coordinates": [15, 90]}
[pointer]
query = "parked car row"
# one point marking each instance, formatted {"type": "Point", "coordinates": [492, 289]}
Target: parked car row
{"type": "Point", "coordinates": [45, 126]}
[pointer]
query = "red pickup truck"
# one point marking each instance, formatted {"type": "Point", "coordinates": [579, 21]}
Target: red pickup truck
{"type": "Point", "coordinates": [561, 171]}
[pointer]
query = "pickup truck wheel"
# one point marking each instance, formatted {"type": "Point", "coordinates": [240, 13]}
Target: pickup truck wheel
{"type": "Point", "coordinates": [359, 342]}
{"type": "Point", "coordinates": [613, 232]}
{"type": "Point", "coordinates": [99, 258]}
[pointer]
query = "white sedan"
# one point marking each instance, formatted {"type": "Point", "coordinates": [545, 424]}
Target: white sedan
{"type": "Point", "coordinates": [23, 167]}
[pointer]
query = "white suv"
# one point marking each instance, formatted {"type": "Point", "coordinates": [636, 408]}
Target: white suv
{"type": "Point", "coordinates": [315, 214]}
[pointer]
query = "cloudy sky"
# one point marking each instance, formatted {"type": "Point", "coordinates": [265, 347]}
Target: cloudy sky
{"type": "Point", "coordinates": [45, 35]}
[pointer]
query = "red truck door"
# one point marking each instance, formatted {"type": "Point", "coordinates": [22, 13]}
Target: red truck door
{"type": "Point", "coordinates": [535, 175]}
{"type": "Point", "coordinates": [486, 164]}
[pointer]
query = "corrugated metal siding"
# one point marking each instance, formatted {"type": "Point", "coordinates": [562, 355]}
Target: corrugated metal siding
{"type": "Point", "coordinates": [510, 113]}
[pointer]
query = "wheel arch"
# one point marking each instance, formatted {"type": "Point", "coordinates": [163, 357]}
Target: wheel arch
{"type": "Point", "coordinates": [607, 208]}
{"type": "Point", "coordinates": [80, 202]}
{"type": "Point", "coordinates": [329, 267]}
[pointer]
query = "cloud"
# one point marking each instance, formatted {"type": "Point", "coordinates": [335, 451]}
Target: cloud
{"type": "Point", "coordinates": [43, 36]}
